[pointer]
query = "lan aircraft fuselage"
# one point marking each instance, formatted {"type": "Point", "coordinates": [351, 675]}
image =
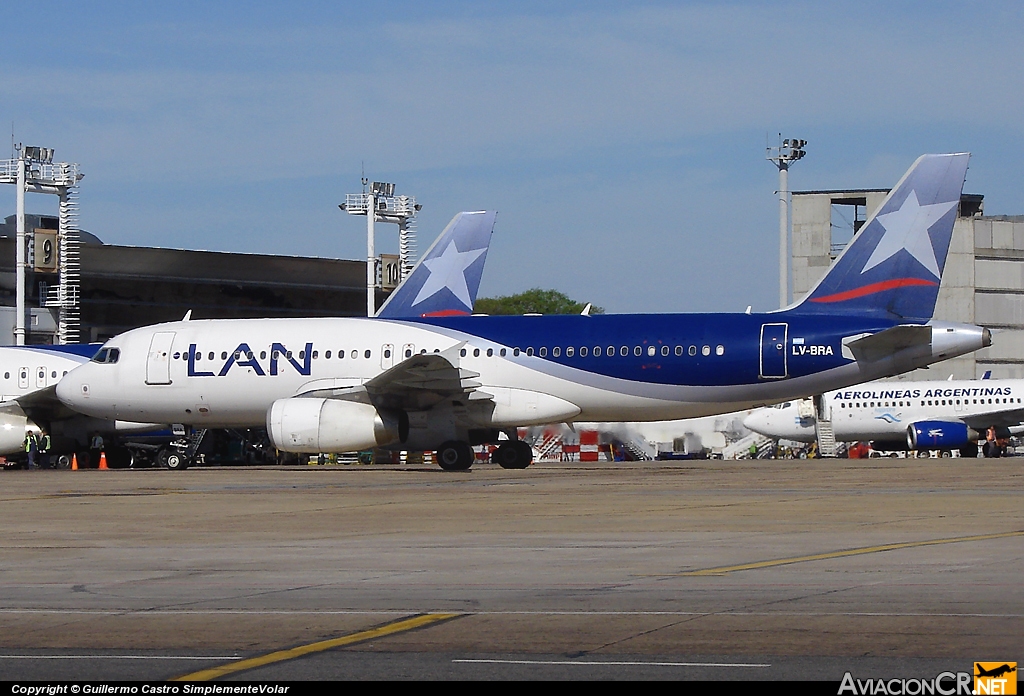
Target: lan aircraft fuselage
{"type": "Point", "coordinates": [446, 382]}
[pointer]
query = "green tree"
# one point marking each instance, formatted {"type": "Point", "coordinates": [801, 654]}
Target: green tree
{"type": "Point", "coordinates": [535, 301]}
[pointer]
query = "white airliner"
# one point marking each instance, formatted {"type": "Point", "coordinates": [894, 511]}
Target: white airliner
{"type": "Point", "coordinates": [448, 382]}
{"type": "Point", "coordinates": [28, 377]}
{"type": "Point", "coordinates": [903, 415]}
{"type": "Point", "coordinates": [28, 400]}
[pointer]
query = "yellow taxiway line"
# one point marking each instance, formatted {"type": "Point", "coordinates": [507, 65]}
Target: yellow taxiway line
{"type": "Point", "coordinates": [722, 570]}
{"type": "Point", "coordinates": [319, 646]}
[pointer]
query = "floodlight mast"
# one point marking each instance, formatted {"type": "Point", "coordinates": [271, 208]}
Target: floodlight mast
{"type": "Point", "coordinates": [788, 151]}
{"type": "Point", "coordinates": [380, 204]}
{"type": "Point", "coordinates": [34, 170]}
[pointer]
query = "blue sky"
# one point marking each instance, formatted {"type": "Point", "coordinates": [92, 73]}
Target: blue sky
{"type": "Point", "coordinates": [621, 143]}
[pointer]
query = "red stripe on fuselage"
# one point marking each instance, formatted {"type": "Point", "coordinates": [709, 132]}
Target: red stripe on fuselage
{"type": "Point", "coordinates": [873, 288]}
{"type": "Point", "coordinates": [446, 313]}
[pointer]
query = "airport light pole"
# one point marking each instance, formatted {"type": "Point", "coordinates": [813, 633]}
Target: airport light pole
{"type": "Point", "coordinates": [34, 171]}
{"type": "Point", "coordinates": [379, 203]}
{"type": "Point", "coordinates": [789, 150]}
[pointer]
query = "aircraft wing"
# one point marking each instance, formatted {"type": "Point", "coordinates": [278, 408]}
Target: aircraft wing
{"type": "Point", "coordinates": [419, 382]}
{"type": "Point", "coordinates": [415, 384]}
{"type": "Point", "coordinates": [42, 405]}
{"type": "Point", "coordinates": [1008, 418]}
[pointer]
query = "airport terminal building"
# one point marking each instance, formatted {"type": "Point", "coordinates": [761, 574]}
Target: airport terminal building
{"type": "Point", "coordinates": [983, 281]}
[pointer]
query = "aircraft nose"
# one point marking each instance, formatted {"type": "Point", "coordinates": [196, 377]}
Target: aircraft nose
{"type": "Point", "coordinates": [73, 390]}
{"type": "Point", "coordinates": [757, 421]}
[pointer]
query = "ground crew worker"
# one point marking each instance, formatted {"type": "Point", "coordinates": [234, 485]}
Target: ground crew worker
{"type": "Point", "coordinates": [31, 449]}
{"type": "Point", "coordinates": [95, 448]}
{"type": "Point", "coordinates": [44, 451]}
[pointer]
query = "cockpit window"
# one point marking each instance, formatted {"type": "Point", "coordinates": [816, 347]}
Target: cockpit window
{"type": "Point", "coordinates": [107, 355]}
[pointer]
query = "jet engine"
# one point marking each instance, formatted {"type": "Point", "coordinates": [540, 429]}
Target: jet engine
{"type": "Point", "coordinates": [13, 427]}
{"type": "Point", "coordinates": [327, 425]}
{"type": "Point", "coordinates": [939, 435]}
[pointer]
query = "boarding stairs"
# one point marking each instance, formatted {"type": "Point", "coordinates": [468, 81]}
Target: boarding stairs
{"type": "Point", "coordinates": [638, 450]}
{"type": "Point", "coordinates": [545, 448]}
{"type": "Point", "coordinates": [823, 429]}
{"type": "Point", "coordinates": [741, 448]}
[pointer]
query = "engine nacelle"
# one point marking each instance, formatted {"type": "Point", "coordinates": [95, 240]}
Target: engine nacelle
{"type": "Point", "coordinates": [13, 427]}
{"type": "Point", "coordinates": [939, 435]}
{"type": "Point", "coordinates": [327, 425]}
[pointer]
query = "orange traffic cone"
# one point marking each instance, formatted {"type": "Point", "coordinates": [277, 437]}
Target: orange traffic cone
{"type": "Point", "coordinates": [74, 462]}
{"type": "Point", "coordinates": [103, 461]}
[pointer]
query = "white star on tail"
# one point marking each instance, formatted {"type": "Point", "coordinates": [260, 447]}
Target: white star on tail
{"type": "Point", "coordinates": [907, 228]}
{"type": "Point", "coordinates": [448, 271]}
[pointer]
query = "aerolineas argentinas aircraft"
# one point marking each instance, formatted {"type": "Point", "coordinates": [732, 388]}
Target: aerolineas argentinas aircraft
{"type": "Point", "coordinates": [904, 415]}
{"type": "Point", "coordinates": [445, 383]}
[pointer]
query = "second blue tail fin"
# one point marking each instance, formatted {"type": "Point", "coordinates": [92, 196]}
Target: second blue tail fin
{"type": "Point", "coordinates": [894, 264]}
{"type": "Point", "coordinates": [447, 278]}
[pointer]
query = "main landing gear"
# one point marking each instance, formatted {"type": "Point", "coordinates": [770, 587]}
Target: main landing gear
{"type": "Point", "coordinates": [456, 455]}
{"type": "Point", "coordinates": [513, 454]}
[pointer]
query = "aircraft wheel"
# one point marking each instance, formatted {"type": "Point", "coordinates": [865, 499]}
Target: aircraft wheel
{"type": "Point", "coordinates": [455, 455]}
{"type": "Point", "coordinates": [62, 462]}
{"type": "Point", "coordinates": [514, 455]}
{"type": "Point", "coordinates": [175, 461]}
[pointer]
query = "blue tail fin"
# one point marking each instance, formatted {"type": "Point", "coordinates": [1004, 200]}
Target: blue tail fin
{"type": "Point", "coordinates": [894, 264]}
{"type": "Point", "coordinates": [447, 278]}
